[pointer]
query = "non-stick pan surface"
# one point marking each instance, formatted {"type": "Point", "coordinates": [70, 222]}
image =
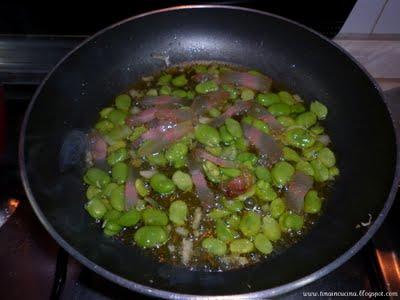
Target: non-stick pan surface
{"type": "Point", "coordinates": [86, 80]}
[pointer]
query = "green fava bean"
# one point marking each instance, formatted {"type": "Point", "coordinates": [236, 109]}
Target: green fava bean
{"type": "Point", "coordinates": [247, 120]}
{"type": "Point", "coordinates": [116, 146]}
{"type": "Point", "coordinates": [165, 90]}
{"type": "Point", "coordinates": [105, 112]}
{"type": "Point", "coordinates": [241, 246]}
{"type": "Point", "coordinates": [290, 155]}
{"type": "Point", "coordinates": [206, 87]}
{"type": "Point", "coordinates": [92, 192]}
{"type": "Point", "coordinates": [312, 152]}
{"type": "Point", "coordinates": [214, 246]}
{"type": "Point", "coordinates": [279, 109]}
{"type": "Point", "coordinates": [230, 172]}
{"type": "Point", "coordinates": [247, 95]}
{"type": "Point", "coordinates": [179, 81]}
{"type": "Point", "coordinates": [104, 126]}
{"type": "Point", "coordinates": [164, 79]}
{"type": "Point", "coordinates": [263, 173]}
{"type": "Point", "coordinates": [179, 93]}
{"type": "Point", "coordinates": [157, 159]}
{"type": "Point", "coordinates": [233, 93]}
{"type": "Point", "coordinates": [130, 218]}
{"type": "Point", "coordinates": [117, 117]}
{"type": "Point", "coordinates": [291, 222]}
{"type": "Point", "coordinates": [299, 138]}
{"type": "Point", "coordinates": [117, 198]}
{"type": "Point", "coordinates": [327, 157]}
{"type": "Point", "coordinates": [162, 184]}
{"type": "Point", "coordinates": [226, 137]}
{"type": "Point", "coordinates": [150, 236]}
{"type": "Point", "coordinates": [268, 99]}
{"type": "Point", "coordinates": [264, 191]}
{"type": "Point", "coordinates": [141, 188]}
{"type": "Point", "coordinates": [317, 129]}
{"type": "Point", "coordinates": [312, 202]}
{"type": "Point", "coordinates": [233, 221]}
{"type": "Point", "coordinates": [176, 152]}
{"type": "Point", "coordinates": [153, 216]}
{"type": "Point", "coordinates": [217, 213]}
{"type": "Point", "coordinates": [233, 205]}
{"type": "Point", "coordinates": [334, 171]}
{"type": "Point", "coordinates": [109, 188]}
{"type": "Point", "coordinates": [305, 167]}
{"type": "Point", "coordinates": [212, 172]}
{"type": "Point", "coordinates": [111, 215]}
{"type": "Point", "coordinates": [241, 144]}
{"type": "Point", "coordinates": [262, 244]}
{"type": "Point", "coordinates": [247, 156]}
{"type": "Point", "coordinates": [111, 228]}
{"type": "Point", "coordinates": [97, 177]}
{"type": "Point", "coordinates": [123, 102]}
{"type": "Point", "coordinates": [234, 127]}
{"type": "Point", "coordinates": [96, 208]}
{"type": "Point", "coordinates": [178, 211]}
{"type": "Point", "coordinates": [229, 152]}
{"type": "Point", "coordinates": [207, 135]}
{"type": "Point", "coordinates": [119, 172]}
{"type": "Point", "coordinates": [117, 156]}
{"type": "Point", "coordinates": [286, 98]}
{"type": "Point", "coordinates": [137, 132]}
{"type": "Point", "coordinates": [277, 207]}
{"type": "Point", "coordinates": [297, 108]}
{"type": "Point", "coordinates": [321, 173]}
{"type": "Point", "coordinates": [260, 125]}
{"type": "Point", "coordinates": [319, 109]}
{"type": "Point", "coordinates": [306, 119]}
{"type": "Point", "coordinates": [152, 93]}
{"type": "Point", "coordinates": [282, 172]}
{"type": "Point", "coordinates": [223, 232]}
{"type": "Point", "coordinates": [183, 181]}
{"type": "Point", "coordinates": [271, 228]}
{"type": "Point", "coordinates": [250, 223]}
{"type": "Point", "coordinates": [285, 121]}
{"type": "Point", "coordinates": [213, 112]}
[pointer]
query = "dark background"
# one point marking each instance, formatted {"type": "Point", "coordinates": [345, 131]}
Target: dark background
{"type": "Point", "coordinates": [82, 18]}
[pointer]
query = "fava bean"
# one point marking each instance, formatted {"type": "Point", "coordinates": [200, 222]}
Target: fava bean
{"type": "Point", "coordinates": [141, 188]}
{"type": "Point", "coordinates": [137, 132]}
{"type": "Point", "coordinates": [212, 172]}
{"type": "Point", "coordinates": [214, 246]}
{"type": "Point", "coordinates": [117, 117]}
{"type": "Point", "coordinates": [119, 172]}
{"type": "Point", "coordinates": [277, 207]}
{"type": "Point", "coordinates": [229, 152]}
{"type": "Point", "coordinates": [183, 181]}
{"type": "Point", "coordinates": [214, 150]}
{"type": "Point", "coordinates": [152, 93]}
{"type": "Point", "coordinates": [321, 173]}
{"type": "Point", "coordinates": [109, 188]}
{"type": "Point", "coordinates": [179, 81]}
{"type": "Point", "coordinates": [130, 218]}
{"type": "Point", "coordinates": [157, 159]}
{"type": "Point", "coordinates": [264, 191]}
{"type": "Point", "coordinates": [271, 229]}
{"type": "Point", "coordinates": [299, 138]}
{"type": "Point", "coordinates": [306, 119]}
{"type": "Point", "coordinates": [179, 93]}
{"type": "Point", "coordinates": [176, 152]}
{"type": "Point", "coordinates": [263, 173]}
{"type": "Point", "coordinates": [305, 167]}
{"type": "Point", "coordinates": [262, 244]}
{"type": "Point", "coordinates": [213, 112]}
{"type": "Point", "coordinates": [248, 120]}
{"type": "Point", "coordinates": [116, 146]}
{"type": "Point", "coordinates": [291, 222]}
{"type": "Point", "coordinates": [150, 236]}
{"type": "Point", "coordinates": [164, 79]}
{"type": "Point", "coordinates": [241, 144]}
{"type": "Point", "coordinates": [250, 223]}
{"type": "Point", "coordinates": [312, 152]}
{"type": "Point", "coordinates": [217, 213]}
{"type": "Point", "coordinates": [317, 129]}
{"type": "Point", "coordinates": [286, 98]}
{"type": "Point", "coordinates": [326, 156]}
{"type": "Point", "coordinates": [260, 125]}
{"type": "Point", "coordinates": [247, 156]}
{"type": "Point", "coordinates": [233, 93]}
{"type": "Point", "coordinates": [105, 112]}
{"type": "Point", "coordinates": [312, 202]}
{"type": "Point", "coordinates": [279, 109]}
{"type": "Point", "coordinates": [223, 232]}
{"type": "Point", "coordinates": [93, 192]}
{"type": "Point", "coordinates": [319, 109]}
{"type": "Point", "coordinates": [165, 90]}
{"type": "Point", "coordinates": [111, 215]}
{"type": "Point", "coordinates": [226, 137]}
{"type": "Point", "coordinates": [268, 99]}
{"type": "Point", "coordinates": [297, 108]}
{"type": "Point", "coordinates": [233, 222]}
{"type": "Point", "coordinates": [123, 102]}
{"type": "Point", "coordinates": [247, 95]}
{"type": "Point", "coordinates": [234, 127]}
{"type": "Point", "coordinates": [190, 94]}
{"type": "Point", "coordinates": [97, 177]}
{"type": "Point", "coordinates": [206, 87]}
{"type": "Point", "coordinates": [233, 205]}
{"type": "Point", "coordinates": [117, 198]}
{"type": "Point", "coordinates": [96, 208]}
{"type": "Point", "coordinates": [111, 228]}
{"type": "Point", "coordinates": [241, 246]}
{"type": "Point", "coordinates": [282, 172]}
{"type": "Point", "coordinates": [162, 184]}
{"type": "Point", "coordinates": [207, 135]}
{"type": "Point", "coordinates": [334, 171]}
{"type": "Point", "coordinates": [117, 156]}
{"type": "Point", "coordinates": [178, 211]}
{"type": "Point", "coordinates": [230, 172]}
{"type": "Point", "coordinates": [153, 216]}
{"type": "Point", "coordinates": [286, 121]}
{"type": "Point", "coordinates": [104, 126]}
{"type": "Point", "coordinates": [290, 155]}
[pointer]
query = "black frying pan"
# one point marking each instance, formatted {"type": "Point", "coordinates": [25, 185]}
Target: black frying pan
{"type": "Point", "coordinates": [87, 79]}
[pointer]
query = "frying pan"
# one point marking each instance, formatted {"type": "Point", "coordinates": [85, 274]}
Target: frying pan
{"type": "Point", "coordinates": [86, 80]}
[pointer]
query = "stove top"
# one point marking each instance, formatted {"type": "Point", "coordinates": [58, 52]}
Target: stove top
{"type": "Point", "coordinates": [33, 266]}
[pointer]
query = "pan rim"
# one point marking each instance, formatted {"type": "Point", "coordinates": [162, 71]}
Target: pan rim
{"type": "Point", "coordinates": [278, 290]}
